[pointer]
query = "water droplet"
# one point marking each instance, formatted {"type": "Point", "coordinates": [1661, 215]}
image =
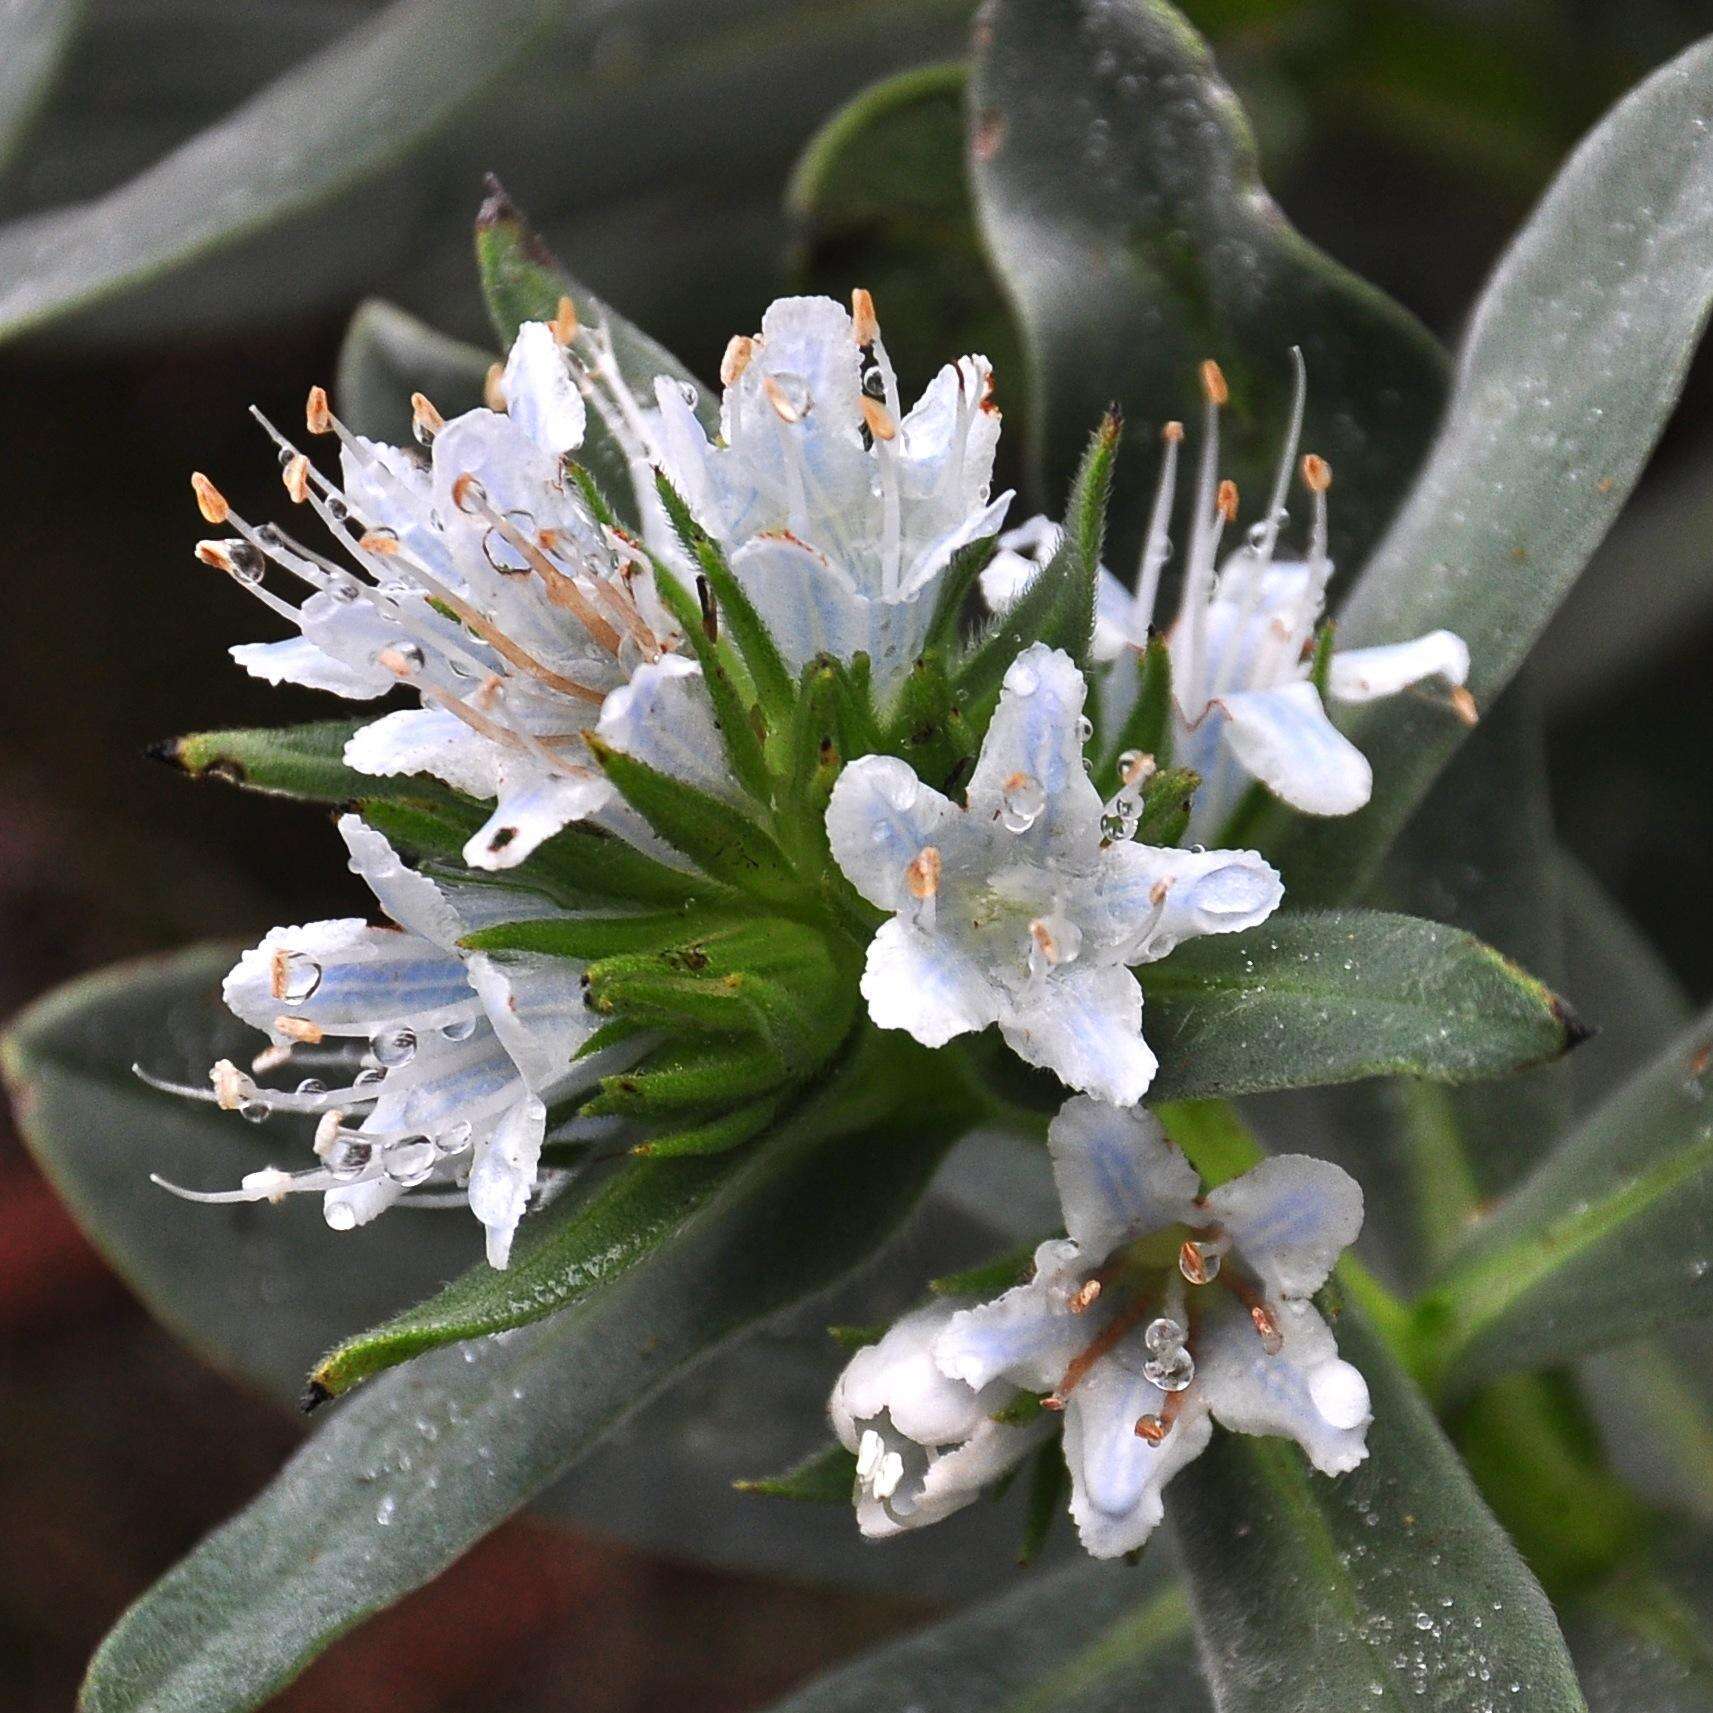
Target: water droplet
{"type": "Point", "coordinates": [459, 1029]}
{"type": "Point", "coordinates": [257, 1111]}
{"type": "Point", "coordinates": [469, 495]}
{"type": "Point", "coordinates": [410, 1161]}
{"type": "Point", "coordinates": [248, 561]}
{"type": "Point", "coordinates": [1021, 802]}
{"type": "Point", "coordinates": [385, 1509]}
{"type": "Point", "coordinates": [1257, 537]}
{"type": "Point", "coordinates": [349, 1157]}
{"type": "Point", "coordinates": [454, 1140]}
{"type": "Point", "coordinates": [688, 393]}
{"type": "Point", "coordinates": [298, 978]}
{"type": "Point", "coordinates": [312, 1085]}
{"type": "Point", "coordinates": [394, 1047]}
{"type": "Point", "coordinates": [344, 590]}
{"type": "Point", "coordinates": [1171, 1371]}
{"type": "Point", "coordinates": [1198, 1267]}
{"type": "Point", "coordinates": [1085, 728]}
{"type": "Point", "coordinates": [1162, 1335]}
{"type": "Point", "coordinates": [341, 1216]}
{"type": "Point", "coordinates": [368, 1077]}
{"type": "Point", "coordinates": [337, 509]}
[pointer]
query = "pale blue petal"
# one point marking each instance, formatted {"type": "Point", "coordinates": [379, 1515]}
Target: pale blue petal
{"type": "Point", "coordinates": [879, 820]}
{"type": "Point", "coordinates": [1084, 1022]}
{"type": "Point", "coordinates": [925, 985]}
{"type": "Point", "coordinates": [1117, 1176]}
{"type": "Point", "coordinates": [1291, 1217]}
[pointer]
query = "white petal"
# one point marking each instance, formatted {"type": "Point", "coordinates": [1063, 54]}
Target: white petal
{"type": "Point", "coordinates": [810, 606]}
{"type": "Point", "coordinates": [664, 718]}
{"type": "Point", "coordinates": [1252, 1392]}
{"type": "Point", "coordinates": [809, 340]}
{"type": "Point", "coordinates": [351, 1205]}
{"type": "Point", "coordinates": [426, 740]}
{"type": "Point", "coordinates": [297, 660]}
{"type": "Point", "coordinates": [504, 1175]}
{"type": "Point", "coordinates": [1028, 1335]}
{"type": "Point", "coordinates": [925, 985]}
{"type": "Point", "coordinates": [898, 1375]}
{"type": "Point", "coordinates": [1115, 624]}
{"type": "Point", "coordinates": [1084, 1022]}
{"type": "Point", "coordinates": [539, 1011]}
{"type": "Point", "coordinates": [533, 805]}
{"type": "Point", "coordinates": [347, 978]}
{"type": "Point", "coordinates": [879, 820]}
{"type": "Point", "coordinates": [1290, 1217]}
{"type": "Point", "coordinates": [541, 397]}
{"type": "Point", "coordinates": [445, 1083]}
{"type": "Point", "coordinates": [1117, 1176]}
{"type": "Point", "coordinates": [1036, 735]}
{"type": "Point", "coordinates": [1117, 1477]}
{"type": "Point", "coordinates": [411, 899]}
{"type": "Point", "coordinates": [935, 550]}
{"type": "Point", "coordinates": [1285, 740]}
{"type": "Point", "coordinates": [1147, 899]}
{"type": "Point", "coordinates": [1363, 674]}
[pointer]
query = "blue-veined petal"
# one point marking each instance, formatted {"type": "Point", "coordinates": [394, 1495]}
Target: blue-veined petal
{"type": "Point", "coordinates": [541, 397]}
{"type": "Point", "coordinates": [1364, 674]}
{"type": "Point", "coordinates": [926, 985]}
{"type": "Point", "coordinates": [1028, 1335]}
{"type": "Point", "coordinates": [1283, 738]}
{"type": "Point", "coordinates": [879, 820]}
{"type": "Point", "coordinates": [1290, 1217]}
{"type": "Point", "coordinates": [1117, 1176]}
{"type": "Point", "coordinates": [1084, 1023]}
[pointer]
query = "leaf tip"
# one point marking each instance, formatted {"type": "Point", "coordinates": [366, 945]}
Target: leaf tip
{"type": "Point", "coordinates": [315, 1394]}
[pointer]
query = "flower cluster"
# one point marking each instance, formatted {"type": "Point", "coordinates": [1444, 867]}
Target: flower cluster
{"type": "Point", "coordinates": [1245, 700]}
{"type": "Point", "coordinates": [1160, 1312]}
{"type": "Point", "coordinates": [538, 637]}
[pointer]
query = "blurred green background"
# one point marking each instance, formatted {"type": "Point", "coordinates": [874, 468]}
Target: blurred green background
{"type": "Point", "coordinates": [654, 142]}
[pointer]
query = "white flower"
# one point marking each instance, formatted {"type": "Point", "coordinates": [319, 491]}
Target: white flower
{"type": "Point", "coordinates": [444, 1062]}
{"type": "Point", "coordinates": [1242, 642]}
{"type": "Point", "coordinates": [838, 512]}
{"type": "Point", "coordinates": [1021, 909]}
{"type": "Point", "coordinates": [925, 1445]}
{"type": "Point", "coordinates": [478, 579]}
{"type": "Point", "coordinates": [1165, 1310]}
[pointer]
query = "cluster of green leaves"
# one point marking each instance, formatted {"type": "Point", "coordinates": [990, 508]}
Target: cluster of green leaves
{"type": "Point", "coordinates": [786, 1139]}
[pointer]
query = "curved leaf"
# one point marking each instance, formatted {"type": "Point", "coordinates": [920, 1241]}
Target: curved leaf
{"type": "Point", "coordinates": [1088, 1639]}
{"type": "Point", "coordinates": [1329, 996]}
{"type": "Point", "coordinates": [1121, 200]}
{"type": "Point", "coordinates": [422, 1462]}
{"type": "Point", "coordinates": [387, 355]}
{"type": "Point", "coordinates": [1573, 360]}
{"type": "Point", "coordinates": [1610, 1238]}
{"type": "Point", "coordinates": [34, 35]}
{"type": "Point", "coordinates": [327, 124]}
{"type": "Point", "coordinates": [306, 762]}
{"type": "Point", "coordinates": [1391, 1587]}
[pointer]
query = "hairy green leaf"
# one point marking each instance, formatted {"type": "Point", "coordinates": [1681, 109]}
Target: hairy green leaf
{"type": "Point", "coordinates": [291, 761]}
{"type": "Point", "coordinates": [1121, 199]}
{"type": "Point", "coordinates": [1329, 996]}
{"type": "Point", "coordinates": [826, 1478]}
{"type": "Point", "coordinates": [1609, 1238]}
{"type": "Point", "coordinates": [1572, 362]}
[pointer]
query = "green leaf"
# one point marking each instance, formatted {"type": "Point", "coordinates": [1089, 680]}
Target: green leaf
{"type": "Point", "coordinates": [260, 1291]}
{"type": "Point", "coordinates": [1058, 606]}
{"type": "Point", "coordinates": [988, 1278]}
{"type": "Point", "coordinates": [1090, 1638]}
{"type": "Point", "coordinates": [718, 1135]}
{"type": "Point", "coordinates": [387, 355]}
{"type": "Point", "coordinates": [523, 281]}
{"type": "Point", "coordinates": [1329, 996]}
{"type": "Point", "coordinates": [1391, 1587]}
{"type": "Point", "coordinates": [826, 1478]}
{"type": "Point", "coordinates": [881, 197]}
{"type": "Point", "coordinates": [343, 1530]}
{"type": "Point", "coordinates": [1609, 1238]}
{"type": "Point", "coordinates": [960, 577]}
{"type": "Point", "coordinates": [1572, 362]}
{"type": "Point", "coordinates": [34, 36]}
{"type": "Point", "coordinates": [1166, 806]}
{"type": "Point", "coordinates": [339, 118]}
{"type": "Point", "coordinates": [1049, 1490]}
{"type": "Point", "coordinates": [291, 761]}
{"type": "Point", "coordinates": [1120, 196]}
{"type": "Point", "coordinates": [719, 839]}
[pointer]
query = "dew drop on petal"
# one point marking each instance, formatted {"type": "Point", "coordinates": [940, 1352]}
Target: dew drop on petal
{"type": "Point", "coordinates": [394, 1047]}
{"type": "Point", "coordinates": [1171, 1371]}
{"type": "Point", "coordinates": [409, 1161]}
{"type": "Point", "coordinates": [459, 1029]}
{"type": "Point", "coordinates": [299, 977]}
{"type": "Point", "coordinates": [1021, 802]}
{"type": "Point", "coordinates": [1162, 1335]}
{"type": "Point", "coordinates": [455, 1139]}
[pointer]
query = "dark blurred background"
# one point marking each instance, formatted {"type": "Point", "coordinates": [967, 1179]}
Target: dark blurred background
{"type": "Point", "coordinates": [1406, 139]}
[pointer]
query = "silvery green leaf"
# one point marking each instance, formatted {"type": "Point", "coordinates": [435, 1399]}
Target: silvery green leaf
{"type": "Point", "coordinates": [1092, 1638]}
{"type": "Point", "coordinates": [414, 1468]}
{"type": "Point", "coordinates": [34, 35]}
{"type": "Point", "coordinates": [1572, 362]}
{"type": "Point", "coordinates": [1391, 1587]}
{"type": "Point", "coordinates": [1120, 196]}
{"type": "Point", "coordinates": [1611, 1237]}
{"type": "Point", "coordinates": [329, 123]}
{"type": "Point", "coordinates": [387, 355]}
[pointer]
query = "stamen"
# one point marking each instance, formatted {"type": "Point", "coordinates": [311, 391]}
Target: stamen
{"type": "Point", "coordinates": [1317, 473]}
{"type": "Point", "coordinates": [317, 415]}
{"type": "Point", "coordinates": [865, 325]}
{"type": "Point", "coordinates": [493, 391]}
{"type": "Point", "coordinates": [296, 477]}
{"type": "Point", "coordinates": [424, 417]}
{"type": "Point", "coordinates": [378, 542]}
{"type": "Point", "coordinates": [564, 322]}
{"type": "Point", "coordinates": [740, 348]}
{"type": "Point", "coordinates": [300, 1029]}
{"type": "Point", "coordinates": [1463, 705]}
{"type": "Point", "coordinates": [878, 421]}
{"type": "Point", "coordinates": [774, 393]}
{"type": "Point", "coordinates": [209, 499]}
{"type": "Point", "coordinates": [1225, 502]}
{"type": "Point", "coordinates": [1110, 1335]}
{"type": "Point", "coordinates": [1213, 386]}
{"type": "Point", "coordinates": [1282, 480]}
{"type": "Point", "coordinates": [1085, 1294]}
{"type": "Point", "coordinates": [231, 1087]}
{"type": "Point", "coordinates": [270, 1059]}
{"type": "Point", "coordinates": [1156, 544]}
{"type": "Point", "coordinates": [1272, 1340]}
